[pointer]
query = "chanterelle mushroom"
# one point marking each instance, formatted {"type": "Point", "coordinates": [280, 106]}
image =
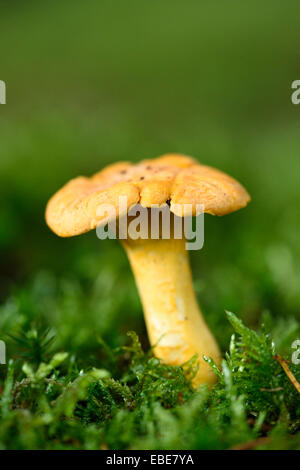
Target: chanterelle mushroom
{"type": "Point", "coordinates": [161, 266]}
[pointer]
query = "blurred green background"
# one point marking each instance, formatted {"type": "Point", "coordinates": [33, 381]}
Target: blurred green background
{"type": "Point", "coordinates": [94, 82]}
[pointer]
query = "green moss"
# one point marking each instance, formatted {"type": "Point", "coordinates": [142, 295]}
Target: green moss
{"type": "Point", "coordinates": [135, 401]}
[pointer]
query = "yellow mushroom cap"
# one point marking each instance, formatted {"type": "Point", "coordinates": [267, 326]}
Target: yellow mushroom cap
{"type": "Point", "coordinates": [176, 178]}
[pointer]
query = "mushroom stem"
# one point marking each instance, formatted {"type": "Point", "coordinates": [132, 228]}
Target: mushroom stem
{"type": "Point", "coordinates": [174, 322]}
